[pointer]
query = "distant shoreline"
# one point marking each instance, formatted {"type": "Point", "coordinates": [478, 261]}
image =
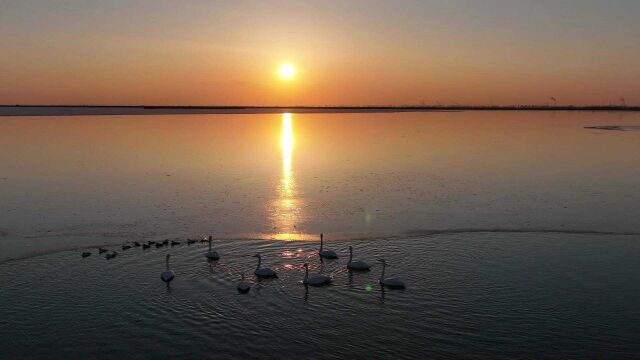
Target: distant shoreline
{"type": "Point", "coordinates": [71, 110]}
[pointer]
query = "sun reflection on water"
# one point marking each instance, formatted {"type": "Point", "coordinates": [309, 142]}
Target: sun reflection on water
{"type": "Point", "coordinates": [286, 141]}
{"type": "Point", "coordinates": [287, 206]}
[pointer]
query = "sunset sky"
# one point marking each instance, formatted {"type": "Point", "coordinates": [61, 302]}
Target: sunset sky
{"type": "Point", "coordinates": [343, 52]}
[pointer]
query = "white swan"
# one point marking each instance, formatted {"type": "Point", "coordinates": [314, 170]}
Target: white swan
{"type": "Point", "coordinates": [391, 283]}
{"type": "Point", "coordinates": [315, 279]}
{"type": "Point", "coordinates": [327, 254]}
{"type": "Point", "coordinates": [167, 275]}
{"type": "Point", "coordinates": [212, 254]}
{"type": "Point", "coordinates": [243, 286]}
{"type": "Point", "coordinates": [357, 264]}
{"type": "Point", "coordinates": [263, 272]}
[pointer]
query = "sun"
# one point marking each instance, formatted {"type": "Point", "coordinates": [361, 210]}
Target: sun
{"type": "Point", "coordinates": [287, 71]}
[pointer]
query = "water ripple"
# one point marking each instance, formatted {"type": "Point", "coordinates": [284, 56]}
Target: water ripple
{"type": "Point", "coordinates": [492, 294]}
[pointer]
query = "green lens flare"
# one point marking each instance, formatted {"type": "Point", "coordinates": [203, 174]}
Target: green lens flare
{"type": "Point", "coordinates": [368, 288]}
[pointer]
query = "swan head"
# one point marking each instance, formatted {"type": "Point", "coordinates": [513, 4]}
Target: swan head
{"type": "Point", "coordinates": [257, 255]}
{"type": "Point", "coordinates": [168, 256]}
{"type": "Point", "coordinates": [210, 237]}
{"type": "Point", "coordinates": [350, 248]}
{"type": "Point", "coordinates": [321, 236]}
{"type": "Point", "coordinates": [305, 265]}
{"type": "Point", "coordinates": [383, 261]}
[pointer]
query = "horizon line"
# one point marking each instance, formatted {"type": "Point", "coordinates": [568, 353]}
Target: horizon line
{"type": "Point", "coordinates": [355, 107]}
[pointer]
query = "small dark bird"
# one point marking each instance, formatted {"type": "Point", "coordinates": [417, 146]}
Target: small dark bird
{"type": "Point", "coordinates": [173, 242]}
{"type": "Point", "coordinates": [165, 242]}
{"type": "Point", "coordinates": [190, 241]}
{"type": "Point", "coordinates": [151, 242]}
{"type": "Point", "coordinates": [159, 245]}
{"type": "Point", "coordinates": [136, 244]}
{"type": "Point", "coordinates": [85, 254]}
{"type": "Point", "coordinates": [102, 250]}
{"type": "Point", "coordinates": [145, 246]}
{"type": "Point", "coordinates": [126, 247]}
{"type": "Point", "coordinates": [111, 255]}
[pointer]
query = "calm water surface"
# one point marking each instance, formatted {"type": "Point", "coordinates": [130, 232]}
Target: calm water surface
{"type": "Point", "coordinates": [516, 232]}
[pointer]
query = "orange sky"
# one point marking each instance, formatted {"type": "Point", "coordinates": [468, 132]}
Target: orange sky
{"type": "Point", "coordinates": [345, 53]}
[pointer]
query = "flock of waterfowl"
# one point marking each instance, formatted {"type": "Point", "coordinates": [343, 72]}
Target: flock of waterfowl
{"type": "Point", "coordinates": [264, 272]}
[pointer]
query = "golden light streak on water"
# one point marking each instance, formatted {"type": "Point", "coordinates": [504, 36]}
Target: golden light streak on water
{"type": "Point", "coordinates": [287, 141]}
{"type": "Point", "coordinates": [288, 206]}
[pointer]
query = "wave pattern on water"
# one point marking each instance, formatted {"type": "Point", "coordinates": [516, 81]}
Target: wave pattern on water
{"type": "Point", "coordinates": [110, 239]}
{"type": "Point", "coordinates": [489, 294]}
{"type": "Point", "coordinates": [427, 232]}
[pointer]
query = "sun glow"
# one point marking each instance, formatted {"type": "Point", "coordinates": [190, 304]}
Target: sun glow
{"type": "Point", "coordinates": [287, 71]}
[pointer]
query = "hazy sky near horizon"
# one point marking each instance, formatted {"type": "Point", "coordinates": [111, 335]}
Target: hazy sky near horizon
{"type": "Point", "coordinates": [345, 52]}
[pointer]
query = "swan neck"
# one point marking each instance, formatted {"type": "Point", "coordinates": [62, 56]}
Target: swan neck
{"type": "Point", "coordinates": [209, 244]}
{"type": "Point", "coordinates": [306, 274]}
{"type": "Point", "coordinates": [350, 255]}
{"type": "Point", "coordinates": [259, 261]}
{"type": "Point", "coordinates": [382, 275]}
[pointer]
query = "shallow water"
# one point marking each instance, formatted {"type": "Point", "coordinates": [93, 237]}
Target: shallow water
{"type": "Point", "coordinates": [516, 232]}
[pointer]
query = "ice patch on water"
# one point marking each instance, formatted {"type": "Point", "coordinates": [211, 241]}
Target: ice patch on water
{"type": "Point", "coordinates": [614, 127]}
